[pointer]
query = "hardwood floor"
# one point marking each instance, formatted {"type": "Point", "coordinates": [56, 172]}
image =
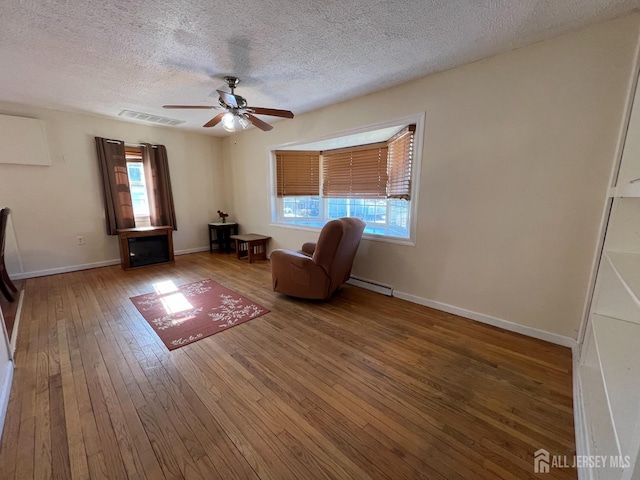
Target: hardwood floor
{"type": "Point", "coordinates": [364, 386]}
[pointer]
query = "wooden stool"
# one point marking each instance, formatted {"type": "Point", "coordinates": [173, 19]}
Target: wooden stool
{"type": "Point", "coordinates": [252, 246]}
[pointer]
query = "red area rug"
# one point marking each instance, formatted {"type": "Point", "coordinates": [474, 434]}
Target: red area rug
{"type": "Point", "coordinates": [186, 314]}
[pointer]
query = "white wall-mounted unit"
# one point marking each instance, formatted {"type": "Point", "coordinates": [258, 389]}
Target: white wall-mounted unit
{"type": "Point", "coordinates": [609, 368]}
{"type": "Point", "coordinates": [23, 141]}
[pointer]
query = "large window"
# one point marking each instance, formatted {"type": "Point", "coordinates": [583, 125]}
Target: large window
{"type": "Point", "coordinates": [371, 181]}
{"type": "Point", "coordinates": [136, 185]}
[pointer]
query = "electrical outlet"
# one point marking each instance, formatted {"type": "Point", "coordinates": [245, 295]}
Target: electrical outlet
{"type": "Point", "coordinates": [79, 240]}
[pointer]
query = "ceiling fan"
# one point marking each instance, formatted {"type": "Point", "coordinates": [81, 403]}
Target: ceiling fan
{"type": "Point", "coordinates": [236, 109]}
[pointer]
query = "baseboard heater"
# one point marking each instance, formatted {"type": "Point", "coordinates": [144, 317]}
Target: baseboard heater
{"type": "Point", "coordinates": [371, 285]}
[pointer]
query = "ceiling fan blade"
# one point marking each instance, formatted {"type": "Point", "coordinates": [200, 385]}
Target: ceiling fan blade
{"type": "Point", "coordinates": [258, 123]}
{"type": "Point", "coordinates": [228, 98]}
{"type": "Point", "coordinates": [214, 121]}
{"type": "Point", "coordinates": [274, 112]}
{"type": "Point", "coordinates": [203, 107]}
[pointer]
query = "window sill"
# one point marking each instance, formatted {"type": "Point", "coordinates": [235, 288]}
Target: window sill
{"type": "Point", "coordinates": [366, 236]}
{"type": "Point", "coordinates": [142, 220]}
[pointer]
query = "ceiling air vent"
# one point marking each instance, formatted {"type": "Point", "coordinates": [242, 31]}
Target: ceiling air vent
{"type": "Point", "coordinates": [147, 117]}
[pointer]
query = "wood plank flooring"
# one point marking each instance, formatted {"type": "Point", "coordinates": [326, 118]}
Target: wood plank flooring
{"type": "Point", "coordinates": [364, 386]}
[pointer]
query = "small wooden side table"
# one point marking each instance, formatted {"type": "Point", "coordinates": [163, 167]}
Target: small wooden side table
{"type": "Point", "coordinates": [223, 233]}
{"type": "Point", "coordinates": [251, 245]}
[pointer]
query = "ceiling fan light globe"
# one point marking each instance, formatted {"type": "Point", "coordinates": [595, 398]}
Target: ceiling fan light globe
{"type": "Point", "coordinates": [243, 122]}
{"type": "Point", "coordinates": [228, 122]}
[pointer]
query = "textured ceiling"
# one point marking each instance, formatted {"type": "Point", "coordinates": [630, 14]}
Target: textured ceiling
{"type": "Point", "coordinates": [104, 56]}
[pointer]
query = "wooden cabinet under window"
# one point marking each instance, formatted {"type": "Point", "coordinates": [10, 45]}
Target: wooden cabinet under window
{"type": "Point", "coordinates": [144, 246]}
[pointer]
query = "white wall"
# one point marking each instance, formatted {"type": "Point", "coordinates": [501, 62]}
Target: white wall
{"type": "Point", "coordinates": [53, 205]}
{"type": "Point", "coordinates": [517, 155]}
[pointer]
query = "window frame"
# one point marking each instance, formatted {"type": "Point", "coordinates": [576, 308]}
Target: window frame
{"type": "Point", "coordinates": [131, 157]}
{"type": "Point", "coordinates": [276, 203]}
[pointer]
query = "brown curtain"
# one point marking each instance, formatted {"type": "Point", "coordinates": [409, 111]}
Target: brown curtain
{"type": "Point", "coordinates": [117, 195]}
{"type": "Point", "coordinates": [156, 171]}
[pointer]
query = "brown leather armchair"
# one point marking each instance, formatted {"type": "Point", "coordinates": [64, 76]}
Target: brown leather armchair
{"type": "Point", "coordinates": [319, 269]}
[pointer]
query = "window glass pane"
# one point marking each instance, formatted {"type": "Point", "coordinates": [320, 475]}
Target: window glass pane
{"type": "Point", "coordinates": [135, 172]}
{"type": "Point", "coordinates": [139, 199]}
{"type": "Point", "coordinates": [300, 207]}
{"type": "Point", "coordinates": [399, 217]}
{"type": "Point", "coordinates": [337, 208]}
{"type": "Point", "coordinates": [383, 217]}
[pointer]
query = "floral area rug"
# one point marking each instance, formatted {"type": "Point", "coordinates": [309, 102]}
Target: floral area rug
{"type": "Point", "coordinates": [186, 314]}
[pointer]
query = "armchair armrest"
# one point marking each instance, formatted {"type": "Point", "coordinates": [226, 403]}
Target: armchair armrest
{"type": "Point", "coordinates": [296, 274]}
{"type": "Point", "coordinates": [298, 259]}
{"type": "Point", "coordinates": [308, 248]}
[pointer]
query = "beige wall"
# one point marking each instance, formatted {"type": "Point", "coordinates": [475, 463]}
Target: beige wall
{"type": "Point", "coordinates": [517, 155]}
{"type": "Point", "coordinates": [53, 205]}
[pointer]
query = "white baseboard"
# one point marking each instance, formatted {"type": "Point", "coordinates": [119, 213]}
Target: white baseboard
{"type": "Point", "coordinates": [371, 285]}
{"type": "Point", "coordinates": [88, 266]}
{"type": "Point", "coordinates": [496, 322]}
{"type": "Point", "coordinates": [71, 268]}
{"type": "Point", "coordinates": [5, 391]}
{"type": "Point", "coordinates": [191, 250]}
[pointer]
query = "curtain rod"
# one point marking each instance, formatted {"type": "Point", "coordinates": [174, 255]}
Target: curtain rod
{"type": "Point", "coordinates": [118, 142]}
{"type": "Point", "coordinates": [139, 145]}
